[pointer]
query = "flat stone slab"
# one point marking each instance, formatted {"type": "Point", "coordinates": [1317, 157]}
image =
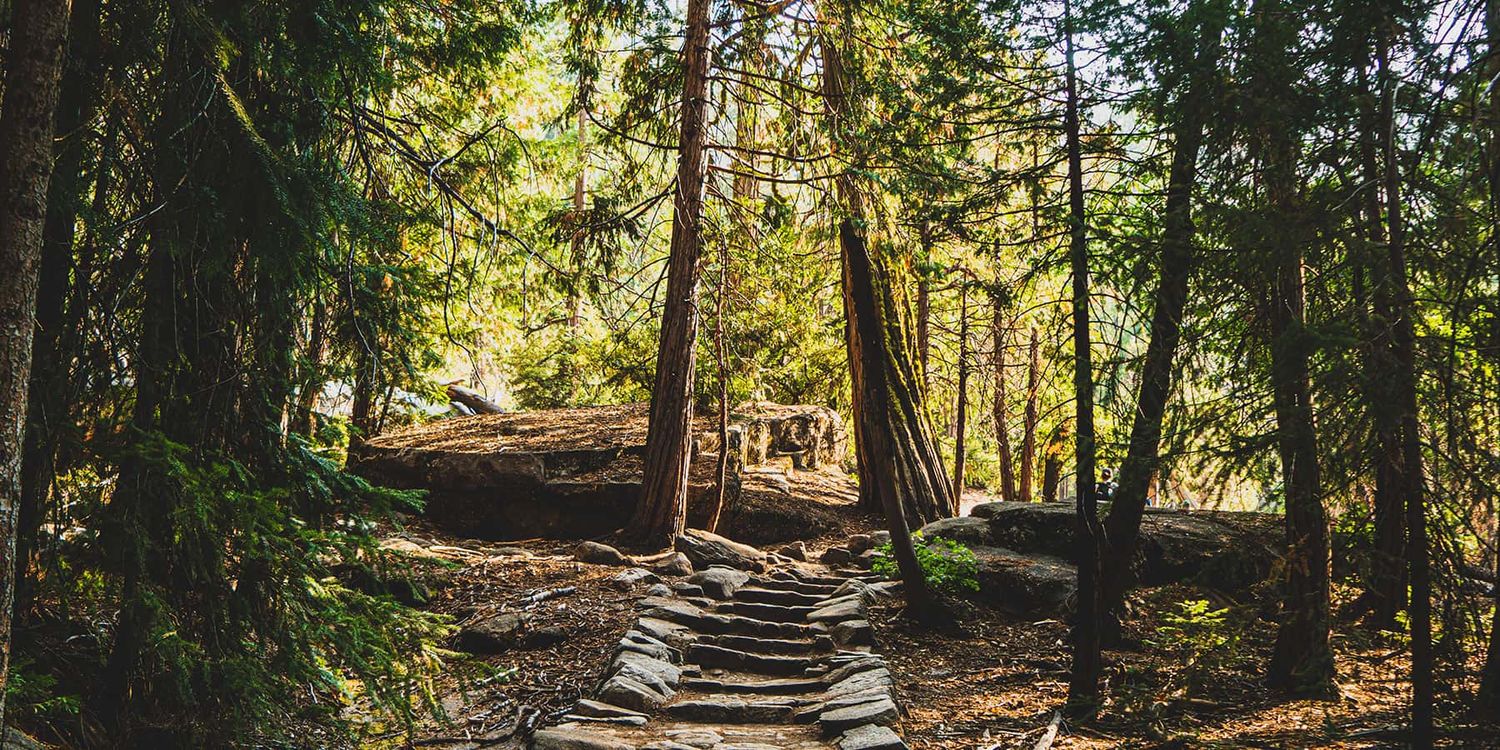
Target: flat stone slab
{"type": "Point", "coordinates": [732, 711]}
{"type": "Point", "coordinates": [573, 739]}
{"type": "Point", "coordinates": [871, 737]}
{"type": "Point", "coordinates": [881, 711]}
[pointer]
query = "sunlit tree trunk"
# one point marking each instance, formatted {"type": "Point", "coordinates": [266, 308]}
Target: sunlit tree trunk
{"type": "Point", "coordinates": [1028, 423]}
{"type": "Point", "coordinates": [1083, 683]}
{"type": "Point", "coordinates": [1142, 458]}
{"type": "Point", "coordinates": [669, 438]}
{"type": "Point", "coordinates": [961, 404]}
{"type": "Point", "coordinates": [1001, 409]}
{"type": "Point", "coordinates": [38, 33]}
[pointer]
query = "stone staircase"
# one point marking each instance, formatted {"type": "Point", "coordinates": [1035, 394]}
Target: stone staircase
{"type": "Point", "coordinates": [727, 661]}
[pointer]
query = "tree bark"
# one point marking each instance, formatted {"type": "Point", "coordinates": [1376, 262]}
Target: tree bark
{"type": "Point", "coordinates": [1178, 259]}
{"type": "Point", "coordinates": [38, 35]}
{"type": "Point", "coordinates": [51, 350]}
{"type": "Point", "coordinates": [1083, 683]}
{"type": "Point", "coordinates": [659, 516]}
{"type": "Point", "coordinates": [1002, 405]}
{"type": "Point", "coordinates": [961, 405]}
{"type": "Point", "coordinates": [1028, 424]}
{"type": "Point", "coordinates": [906, 465]}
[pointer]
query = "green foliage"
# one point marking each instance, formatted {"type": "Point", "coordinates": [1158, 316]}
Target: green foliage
{"type": "Point", "coordinates": [1203, 638]}
{"type": "Point", "coordinates": [948, 566]}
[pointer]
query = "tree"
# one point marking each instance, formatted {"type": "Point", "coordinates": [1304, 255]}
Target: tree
{"type": "Point", "coordinates": [669, 436]}
{"type": "Point", "coordinates": [1083, 683]}
{"type": "Point", "coordinates": [38, 33]}
{"type": "Point", "coordinates": [1189, 116]}
{"type": "Point", "coordinates": [875, 283]}
{"type": "Point", "coordinates": [1303, 661]}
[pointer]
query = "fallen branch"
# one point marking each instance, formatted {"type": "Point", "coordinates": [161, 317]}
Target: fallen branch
{"type": "Point", "coordinates": [474, 400]}
{"type": "Point", "coordinates": [1050, 736]}
{"type": "Point", "coordinates": [542, 596]}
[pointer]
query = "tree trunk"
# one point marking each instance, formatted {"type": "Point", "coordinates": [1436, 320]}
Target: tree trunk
{"type": "Point", "coordinates": [1083, 684]}
{"type": "Point", "coordinates": [1413, 482]}
{"type": "Point", "coordinates": [47, 406]}
{"type": "Point", "coordinates": [961, 405]}
{"type": "Point", "coordinates": [1142, 457]}
{"type": "Point", "coordinates": [38, 34]}
{"type": "Point", "coordinates": [1387, 585]}
{"type": "Point", "coordinates": [303, 421]}
{"type": "Point", "coordinates": [1002, 405]}
{"type": "Point", "coordinates": [1052, 464]}
{"type": "Point", "coordinates": [659, 517]}
{"type": "Point", "coordinates": [1028, 424]}
{"type": "Point", "coordinates": [721, 356]}
{"type": "Point", "coordinates": [1302, 662]}
{"type": "Point", "coordinates": [906, 465]}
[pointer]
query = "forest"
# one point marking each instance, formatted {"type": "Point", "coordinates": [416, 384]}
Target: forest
{"type": "Point", "coordinates": [1148, 352]}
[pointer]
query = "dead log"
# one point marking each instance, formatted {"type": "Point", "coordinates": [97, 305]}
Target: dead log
{"type": "Point", "coordinates": [474, 400]}
{"type": "Point", "coordinates": [1050, 736]}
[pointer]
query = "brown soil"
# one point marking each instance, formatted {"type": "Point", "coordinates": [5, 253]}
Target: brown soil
{"type": "Point", "coordinates": [998, 684]}
{"type": "Point", "coordinates": [589, 427]}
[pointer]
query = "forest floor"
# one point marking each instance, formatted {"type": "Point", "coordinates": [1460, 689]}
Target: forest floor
{"type": "Point", "coordinates": [993, 684]}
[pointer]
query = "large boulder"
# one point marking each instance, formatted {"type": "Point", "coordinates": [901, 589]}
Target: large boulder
{"type": "Point", "coordinates": [1226, 550]}
{"type": "Point", "coordinates": [966, 530]}
{"type": "Point", "coordinates": [1025, 584]}
{"type": "Point", "coordinates": [706, 549]}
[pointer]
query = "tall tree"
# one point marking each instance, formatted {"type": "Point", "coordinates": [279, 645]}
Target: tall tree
{"type": "Point", "coordinates": [1083, 683]}
{"type": "Point", "coordinates": [1489, 688]}
{"type": "Point", "coordinates": [1025, 491]}
{"type": "Point", "coordinates": [669, 438]}
{"type": "Point", "coordinates": [1001, 332]}
{"type": "Point", "coordinates": [1303, 661]}
{"type": "Point", "coordinates": [38, 35]}
{"type": "Point", "coordinates": [1403, 336]}
{"type": "Point", "coordinates": [1189, 115]}
{"type": "Point", "coordinates": [902, 460]}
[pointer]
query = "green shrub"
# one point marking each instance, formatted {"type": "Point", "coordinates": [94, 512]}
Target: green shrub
{"type": "Point", "coordinates": [948, 566]}
{"type": "Point", "coordinates": [1203, 637]}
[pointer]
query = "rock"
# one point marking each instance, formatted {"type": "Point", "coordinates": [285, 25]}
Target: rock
{"type": "Point", "coordinates": [858, 543]}
{"type": "Point", "coordinates": [699, 738]}
{"type": "Point", "coordinates": [838, 611]}
{"type": "Point", "coordinates": [492, 635]}
{"type": "Point", "coordinates": [732, 711]}
{"type": "Point", "coordinates": [853, 633]}
{"type": "Point", "coordinates": [836, 557]}
{"type": "Point", "coordinates": [626, 579]}
{"type": "Point", "coordinates": [966, 530]}
{"type": "Point", "coordinates": [1230, 551]}
{"type": "Point", "coordinates": [719, 583]}
{"type": "Point", "coordinates": [600, 710]}
{"type": "Point", "coordinates": [659, 589]}
{"type": "Point", "coordinates": [599, 554]}
{"type": "Point", "coordinates": [510, 552]}
{"type": "Point", "coordinates": [684, 588]}
{"type": "Point", "coordinates": [870, 737]}
{"type": "Point", "coordinates": [795, 550]}
{"type": "Point", "coordinates": [15, 739]}
{"type": "Point", "coordinates": [638, 720]}
{"type": "Point", "coordinates": [666, 745]}
{"type": "Point", "coordinates": [706, 549]}
{"type": "Point", "coordinates": [543, 637]}
{"type": "Point", "coordinates": [1025, 584]}
{"type": "Point", "coordinates": [867, 558]}
{"type": "Point", "coordinates": [625, 692]}
{"type": "Point", "coordinates": [645, 644]}
{"type": "Point", "coordinates": [709, 655]}
{"type": "Point", "coordinates": [574, 739]}
{"type": "Point", "coordinates": [676, 564]}
{"type": "Point", "coordinates": [881, 711]}
{"type": "Point", "coordinates": [647, 670]}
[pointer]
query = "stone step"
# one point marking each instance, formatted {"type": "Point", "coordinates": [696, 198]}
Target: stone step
{"type": "Point", "coordinates": [819, 645]}
{"type": "Point", "coordinates": [778, 596]}
{"type": "Point", "coordinates": [779, 686]}
{"type": "Point", "coordinates": [768, 612]}
{"type": "Point", "coordinates": [796, 585]}
{"type": "Point", "coordinates": [708, 655]}
{"type": "Point", "coordinates": [723, 710]}
{"type": "Point", "coordinates": [720, 624]}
